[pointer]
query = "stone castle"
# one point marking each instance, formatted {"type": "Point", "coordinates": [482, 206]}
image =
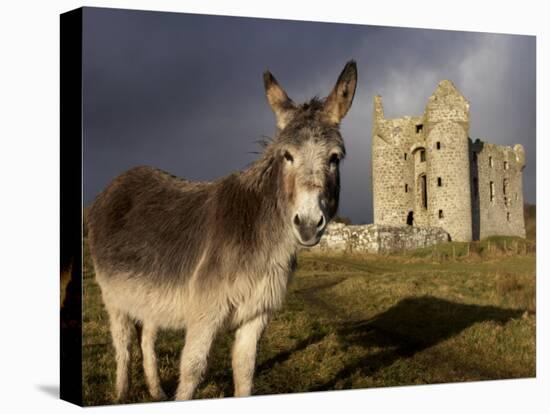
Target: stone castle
{"type": "Point", "coordinates": [427, 172]}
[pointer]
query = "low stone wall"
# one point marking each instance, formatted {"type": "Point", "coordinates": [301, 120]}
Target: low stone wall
{"type": "Point", "coordinates": [374, 238]}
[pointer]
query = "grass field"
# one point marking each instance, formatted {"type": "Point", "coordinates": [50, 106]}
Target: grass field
{"type": "Point", "coordinates": [456, 313]}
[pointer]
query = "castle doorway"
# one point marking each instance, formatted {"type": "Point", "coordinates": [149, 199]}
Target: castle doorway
{"type": "Point", "coordinates": [410, 219]}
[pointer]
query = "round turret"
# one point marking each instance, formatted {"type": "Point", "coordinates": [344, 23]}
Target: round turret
{"type": "Point", "coordinates": [447, 104]}
{"type": "Point", "coordinates": [448, 162]}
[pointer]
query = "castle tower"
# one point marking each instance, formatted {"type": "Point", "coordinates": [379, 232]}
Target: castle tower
{"type": "Point", "coordinates": [392, 167]}
{"type": "Point", "coordinates": [448, 183]}
{"type": "Point", "coordinates": [387, 169]}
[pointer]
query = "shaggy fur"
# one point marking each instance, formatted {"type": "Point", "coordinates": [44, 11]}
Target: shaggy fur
{"type": "Point", "coordinates": [171, 253]}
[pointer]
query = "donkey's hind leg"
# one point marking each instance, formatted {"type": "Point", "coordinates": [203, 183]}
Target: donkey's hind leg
{"type": "Point", "coordinates": [122, 330]}
{"type": "Point", "coordinates": [148, 337]}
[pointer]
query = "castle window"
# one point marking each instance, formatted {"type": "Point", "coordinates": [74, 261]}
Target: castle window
{"type": "Point", "coordinates": [438, 145]}
{"type": "Point", "coordinates": [474, 156]}
{"type": "Point", "coordinates": [440, 214]}
{"type": "Point", "coordinates": [439, 182]}
{"type": "Point", "coordinates": [491, 162]}
{"type": "Point", "coordinates": [504, 186]}
{"type": "Point", "coordinates": [476, 188]}
{"type": "Point", "coordinates": [505, 165]}
{"type": "Point", "coordinates": [406, 188]}
{"type": "Point", "coordinates": [492, 191]}
{"type": "Point", "coordinates": [422, 155]}
{"type": "Point", "coordinates": [419, 128]}
{"type": "Point", "coordinates": [516, 196]}
{"type": "Point", "coordinates": [405, 156]}
{"type": "Point", "coordinates": [424, 191]}
{"type": "Point", "coordinates": [508, 216]}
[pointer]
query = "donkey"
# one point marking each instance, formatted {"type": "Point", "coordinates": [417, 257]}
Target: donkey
{"type": "Point", "coordinates": [202, 256]}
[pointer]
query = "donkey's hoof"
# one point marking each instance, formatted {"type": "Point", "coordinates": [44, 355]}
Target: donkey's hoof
{"type": "Point", "coordinates": [158, 395]}
{"type": "Point", "coordinates": [120, 399]}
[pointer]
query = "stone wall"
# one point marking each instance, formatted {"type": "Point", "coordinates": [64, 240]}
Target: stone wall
{"type": "Point", "coordinates": [501, 213]}
{"type": "Point", "coordinates": [373, 238]}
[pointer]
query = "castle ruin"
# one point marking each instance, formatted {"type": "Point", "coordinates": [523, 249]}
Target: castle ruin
{"type": "Point", "coordinates": [427, 172]}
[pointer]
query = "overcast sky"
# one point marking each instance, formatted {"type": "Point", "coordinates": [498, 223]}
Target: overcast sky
{"type": "Point", "coordinates": [184, 92]}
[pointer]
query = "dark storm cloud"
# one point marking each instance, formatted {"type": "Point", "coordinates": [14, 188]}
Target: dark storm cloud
{"type": "Point", "coordinates": [184, 92]}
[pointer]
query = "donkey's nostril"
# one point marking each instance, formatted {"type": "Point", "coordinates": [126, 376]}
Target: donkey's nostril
{"type": "Point", "coordinates": [321, 222]}
{"type": "Point", "coordinates": [297, 220]}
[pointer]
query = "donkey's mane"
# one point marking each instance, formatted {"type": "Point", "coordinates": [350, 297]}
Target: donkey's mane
{"type": "Point", "coordinates": [307, 112]}
{"type": "Point", "coordinates": [314, 105]}
{"type": "Point", "coordinates": [260, 170]}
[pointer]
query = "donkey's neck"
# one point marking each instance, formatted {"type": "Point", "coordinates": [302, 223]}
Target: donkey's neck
{"type": "Point", "coordinates": [261, 189]}
{"type": "Point", "coordinates": [262, 175]}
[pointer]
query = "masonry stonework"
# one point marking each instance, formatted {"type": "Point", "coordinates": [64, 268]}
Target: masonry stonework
{"type": "Point", "coordinates": [373, 238]}
{"type": "Point", "coordinates": [427, 172]}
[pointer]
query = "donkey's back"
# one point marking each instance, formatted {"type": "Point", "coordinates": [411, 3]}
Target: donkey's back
{"type": "Point", "coordinates": [149, 224]}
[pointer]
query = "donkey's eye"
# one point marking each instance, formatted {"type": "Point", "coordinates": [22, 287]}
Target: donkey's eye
{"type": "Point", "coordinates": [334, 159]}
{"type": "Point", "coordinates": [288, 157]}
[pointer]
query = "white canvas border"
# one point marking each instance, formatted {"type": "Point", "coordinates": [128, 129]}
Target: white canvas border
{"type": "Point", "coordinates": [29, 223]}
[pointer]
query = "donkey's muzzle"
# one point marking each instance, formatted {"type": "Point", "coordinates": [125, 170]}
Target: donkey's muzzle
{"type": "Point", "coordinates": [309, 229]}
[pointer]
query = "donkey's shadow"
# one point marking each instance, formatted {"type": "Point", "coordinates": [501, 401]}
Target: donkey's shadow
{"type": "Point", "coordinates": [410, 326]}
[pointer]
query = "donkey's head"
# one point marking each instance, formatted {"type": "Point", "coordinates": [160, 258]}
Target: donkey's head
{"type": "Point", "coordinates": [310, 147]}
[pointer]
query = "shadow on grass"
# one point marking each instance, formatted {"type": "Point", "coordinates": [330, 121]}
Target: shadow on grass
{"type": "Point", "coordinates": [412, 325]}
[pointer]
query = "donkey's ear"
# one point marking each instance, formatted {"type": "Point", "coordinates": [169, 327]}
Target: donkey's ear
{"type": "Point", "coordinates": [281, 104]}
{"type": "Point", "coordinates": [340, 99]}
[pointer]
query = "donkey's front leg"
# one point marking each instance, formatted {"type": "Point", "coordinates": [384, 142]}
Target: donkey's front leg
{"type": "Point", "coordinates": [244, 354]}
{"type": "Point", "coordinates": [198, 340]}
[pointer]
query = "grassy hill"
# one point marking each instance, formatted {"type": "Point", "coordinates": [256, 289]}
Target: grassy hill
{"type": "Point", "coordinates": [359, 321]}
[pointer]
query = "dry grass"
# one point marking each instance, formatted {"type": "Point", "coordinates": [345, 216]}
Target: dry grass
{"type": "Point", "coordinates": [355, 321]}
{"type": "Point", "coordinates": [516, 290]}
